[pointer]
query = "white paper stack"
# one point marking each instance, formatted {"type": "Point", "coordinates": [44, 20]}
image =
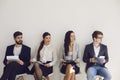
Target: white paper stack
{"type": "Point", "coordinates": [35, 61]}
{"type": "Point", "coordinates": [12, 58]}
{"type": "Point", "coordinates": [102, 57]}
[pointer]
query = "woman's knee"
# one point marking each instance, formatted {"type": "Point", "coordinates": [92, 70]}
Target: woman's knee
{"type": "Point", "coordinates": [69, 66]}
{"type": "Point", "coordinates": [36, 65]}
{"type": "Point", "coordinates": [70, 69]}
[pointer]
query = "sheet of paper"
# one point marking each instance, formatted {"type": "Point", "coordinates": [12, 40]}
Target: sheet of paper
{"type": "Point", "coordinates": [102, 57]}
{"type": "Point", "coordinates": [12, 58]}
{"type": "Point", "coordinates": [35, 61]}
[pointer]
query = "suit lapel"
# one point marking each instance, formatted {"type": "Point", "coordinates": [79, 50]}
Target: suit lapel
{"type": "Point", "coordinates": [21, 50]}
{"type": "Point", "coordinates": [100, 50]}
{"type": "Point", "coordinates": [92, 50]}
{"type": "Point", "coordinates": [12, 49]}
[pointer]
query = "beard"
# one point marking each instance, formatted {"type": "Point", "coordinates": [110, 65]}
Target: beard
{"type": "Point", "coordinates": [19, 42]}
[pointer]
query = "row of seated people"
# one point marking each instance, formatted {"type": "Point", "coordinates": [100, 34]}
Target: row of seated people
{"type": "Point", "coordinates": [95, 56]}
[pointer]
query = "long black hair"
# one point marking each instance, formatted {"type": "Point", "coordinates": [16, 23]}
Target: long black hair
{"type": "Point", "coordinates": [67, 42]}
{"type": "Point", "coordinates": [41, 45]}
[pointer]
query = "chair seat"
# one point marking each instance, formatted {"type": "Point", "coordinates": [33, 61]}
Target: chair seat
{"type": "Point", "coordinates": [62, 75]}
{"type": "Point", "coordinates": [98, 77]}
{"type": "Point", "coordinates": [50, 74]}
{"type": "Point", "coordinates": [20, 76]}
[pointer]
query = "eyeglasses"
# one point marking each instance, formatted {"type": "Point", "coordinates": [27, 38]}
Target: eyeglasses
{"type": "Point", "coordinates": [99, 37]}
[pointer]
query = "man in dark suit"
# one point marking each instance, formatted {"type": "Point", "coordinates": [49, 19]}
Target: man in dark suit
{"type": "Point", "coordinates": [96, 56]}
{"type": "Point", "coordinates": [12, 68]}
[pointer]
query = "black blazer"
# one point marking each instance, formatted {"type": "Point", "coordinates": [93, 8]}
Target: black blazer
{"type": "Point", "coordinates": [24, 55]}
{"type": "Point", "coordinates": [89, 53]}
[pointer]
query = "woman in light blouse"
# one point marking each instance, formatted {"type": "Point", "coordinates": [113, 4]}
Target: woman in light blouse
{"type": "Point", "coordinates": [70, 57]}
{"type": "Point", "coordinates": [46, 58]}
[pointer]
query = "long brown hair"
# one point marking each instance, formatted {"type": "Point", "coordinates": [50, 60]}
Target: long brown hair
{"type": "Point", "coordinates": [67, 42]}
{"type": "Point", "coordinates": [41, 45]}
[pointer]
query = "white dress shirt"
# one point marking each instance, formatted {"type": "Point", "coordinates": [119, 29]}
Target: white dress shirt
{"type": "Point", "coordinates": [48, 53]}
{"type": "Point", "coordinates": [96, 50]}
{"type": "Point", "coordinates": [17, 50]}
{"type": "Point", "coordinates": [70, 56]}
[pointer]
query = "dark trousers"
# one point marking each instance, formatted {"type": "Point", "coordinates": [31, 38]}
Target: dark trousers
{"type": "Point", "coordinates": [11, 70]}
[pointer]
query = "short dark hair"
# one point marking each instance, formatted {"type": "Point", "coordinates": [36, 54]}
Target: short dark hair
{"type": "Point", "coordinates": [17, 33]}
{"type": "Point", "coordinates": [96, 33]}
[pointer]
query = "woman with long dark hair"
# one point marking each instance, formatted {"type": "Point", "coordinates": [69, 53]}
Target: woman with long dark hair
{"type": "Point", "coordinates": [46, 58]}
{"type": "Point", "coordinates": [70, 57]}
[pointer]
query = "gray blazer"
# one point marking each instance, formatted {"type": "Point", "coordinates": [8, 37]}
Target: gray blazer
{"type": "Point", "coordinates": [76, 54]}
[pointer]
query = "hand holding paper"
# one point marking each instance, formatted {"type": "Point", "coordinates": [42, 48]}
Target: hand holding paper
{"type": "Point", "coordinates": [35, 61]}
{"type": "Point", "coordinates": [101, 59]}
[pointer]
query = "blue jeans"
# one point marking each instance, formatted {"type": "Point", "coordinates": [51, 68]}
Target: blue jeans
{"type": "Point", "coordinates": [97, 70]}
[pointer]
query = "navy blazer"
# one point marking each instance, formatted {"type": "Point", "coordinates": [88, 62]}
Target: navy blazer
{"type": "Point", "coordinates": [89, 53]}
{"type": "Point", "coordinates": [24, 54]}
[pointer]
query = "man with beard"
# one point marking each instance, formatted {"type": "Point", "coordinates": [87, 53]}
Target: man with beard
{"type": "Point", "coordinates": [13, 68]}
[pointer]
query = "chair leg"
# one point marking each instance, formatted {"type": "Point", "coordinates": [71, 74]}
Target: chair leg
{"type": "Point", "coordinates": [100, 78]}
{"type": "Point", "coordinates": [20, 78]}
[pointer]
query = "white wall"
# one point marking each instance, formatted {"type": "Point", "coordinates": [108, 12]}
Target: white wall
{"type": "Point", "coordinates": [33, 17]}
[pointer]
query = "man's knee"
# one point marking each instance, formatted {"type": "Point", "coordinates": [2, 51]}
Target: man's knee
{"type": "Point", "coordinates": [108, 76]}
{"type": "Point", "coordinates": [91, 72]}
{"type": "Point", "coordinates": [12, 64]}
